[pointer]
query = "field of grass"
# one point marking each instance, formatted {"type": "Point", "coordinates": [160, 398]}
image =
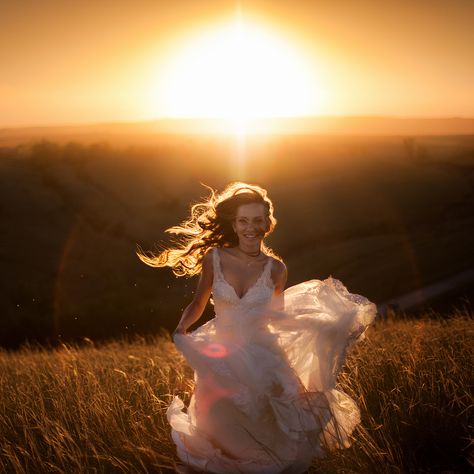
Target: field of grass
{"type": "Point", "coordinates": [101, 408]}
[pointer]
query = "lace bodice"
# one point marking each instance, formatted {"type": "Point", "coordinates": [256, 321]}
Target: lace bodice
{"type": "Point", "coordinates": [247, 310]}
{"type": "Point", "coordinates": [259, 293]}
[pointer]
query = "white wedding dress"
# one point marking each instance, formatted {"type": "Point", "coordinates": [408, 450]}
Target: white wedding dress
{"type": "Point", "coordinates": [265, 372]}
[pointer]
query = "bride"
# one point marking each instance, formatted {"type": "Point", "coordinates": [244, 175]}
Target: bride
{"type": "Point", "coordinates": [265, 367]}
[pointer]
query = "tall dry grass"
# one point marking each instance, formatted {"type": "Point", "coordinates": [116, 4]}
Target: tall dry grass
{"type": "Point", "coordinates": [102, 408]}
{"type": "Point", "coordinates": [414, 383]}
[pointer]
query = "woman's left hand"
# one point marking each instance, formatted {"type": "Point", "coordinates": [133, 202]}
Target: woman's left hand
{"type": "Point", "coordinates": [179, 330]}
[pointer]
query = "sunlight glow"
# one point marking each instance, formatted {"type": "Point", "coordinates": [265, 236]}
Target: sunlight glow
{"type": "Point", "coordinates": [238, 72]}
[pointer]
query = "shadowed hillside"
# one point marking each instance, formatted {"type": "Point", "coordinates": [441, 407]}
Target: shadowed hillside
{"type": "Point", "coordinates": [385, 215]}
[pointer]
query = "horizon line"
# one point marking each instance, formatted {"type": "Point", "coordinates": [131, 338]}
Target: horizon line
{"type": "Point", "coordinates": [224, 118]}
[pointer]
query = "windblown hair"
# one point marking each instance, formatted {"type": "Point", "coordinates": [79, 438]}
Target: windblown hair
{"type": "Point", "coordinates": [210, 225]}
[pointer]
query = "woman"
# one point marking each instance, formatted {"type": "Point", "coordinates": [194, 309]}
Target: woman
{"type": "Point", "coordinates": [266, 365]}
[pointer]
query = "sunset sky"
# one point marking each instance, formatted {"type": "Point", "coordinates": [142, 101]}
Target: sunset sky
{"type": "Point", "coordinates": [67, 62]}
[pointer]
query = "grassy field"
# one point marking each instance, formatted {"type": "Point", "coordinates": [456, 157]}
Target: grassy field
{"type": "Point", "coordinates": [101, 408]}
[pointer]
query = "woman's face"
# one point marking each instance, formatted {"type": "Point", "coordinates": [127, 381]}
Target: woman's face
{"type": "Point", "coordinates": [250, 223]}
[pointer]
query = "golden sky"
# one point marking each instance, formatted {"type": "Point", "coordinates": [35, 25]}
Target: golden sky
{"type": "Point", "coordinates": [110, 60]}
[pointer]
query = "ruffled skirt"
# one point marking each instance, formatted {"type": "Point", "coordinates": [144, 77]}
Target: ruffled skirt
{"type": "Point", "coordinates": [268, 404]}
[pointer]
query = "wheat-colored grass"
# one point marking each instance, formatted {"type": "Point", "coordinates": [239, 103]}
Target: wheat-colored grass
{"type": "Point", "coordinates": [101, 408]}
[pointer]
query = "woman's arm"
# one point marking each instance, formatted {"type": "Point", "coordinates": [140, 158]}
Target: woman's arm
{"type": "Point", "coordinates": [279, 276]}
{"type": "Point", "coordinates": [195, 309]}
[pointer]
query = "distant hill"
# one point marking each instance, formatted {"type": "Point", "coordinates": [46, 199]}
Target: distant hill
{"type": "Point", "coordinates": [388, 216]}
{"type": "Point", "coordinates": [145, 131]}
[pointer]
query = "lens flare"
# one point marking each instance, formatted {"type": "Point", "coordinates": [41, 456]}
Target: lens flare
{"type": "Point", "coordinates": [215, 350]}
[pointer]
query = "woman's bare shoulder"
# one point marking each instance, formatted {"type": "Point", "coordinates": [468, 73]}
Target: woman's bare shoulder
{"type": "Point", "coordinates": [208, 259]}
{"type": "Point", "coordinates": [209, 253]}
{"type": "Point", "coordinates": [278, 267]}
{"type": "Point", "coordinates": [279, 274]}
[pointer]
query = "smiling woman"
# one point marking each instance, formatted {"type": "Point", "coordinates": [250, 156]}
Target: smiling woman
{"type": "Point", "coordinates": [238, 71]}
{"type": "Point", "coordinates": [265, 399]}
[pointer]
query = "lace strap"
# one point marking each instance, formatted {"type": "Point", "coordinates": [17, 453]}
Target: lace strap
{"type": "Point", "coordinates": [216, 263]}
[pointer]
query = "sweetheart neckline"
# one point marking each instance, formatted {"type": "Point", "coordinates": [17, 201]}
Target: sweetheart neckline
{"type": "Point", "coordinates": [240, 298]}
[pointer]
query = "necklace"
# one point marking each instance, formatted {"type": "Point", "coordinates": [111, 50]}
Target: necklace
{"type": "Point", "coordinates": [250, 254]}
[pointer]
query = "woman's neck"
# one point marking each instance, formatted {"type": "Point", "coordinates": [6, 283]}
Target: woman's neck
{"type": "Point", "coordinates": [250, 251]}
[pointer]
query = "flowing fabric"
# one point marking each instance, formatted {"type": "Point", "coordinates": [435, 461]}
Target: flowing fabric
{"type": "Point", "coordinates": [265, 370]}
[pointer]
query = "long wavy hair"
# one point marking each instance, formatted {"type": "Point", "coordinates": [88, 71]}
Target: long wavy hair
{"type": "Point", "coordinates": [210, 225]}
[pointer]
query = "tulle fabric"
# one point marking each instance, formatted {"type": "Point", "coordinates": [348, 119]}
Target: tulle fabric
{"type": "Point", "coordinates": [265, 370]}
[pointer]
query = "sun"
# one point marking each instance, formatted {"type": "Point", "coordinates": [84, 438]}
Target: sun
{"type": "Point", "coordinates": [239, 71]}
